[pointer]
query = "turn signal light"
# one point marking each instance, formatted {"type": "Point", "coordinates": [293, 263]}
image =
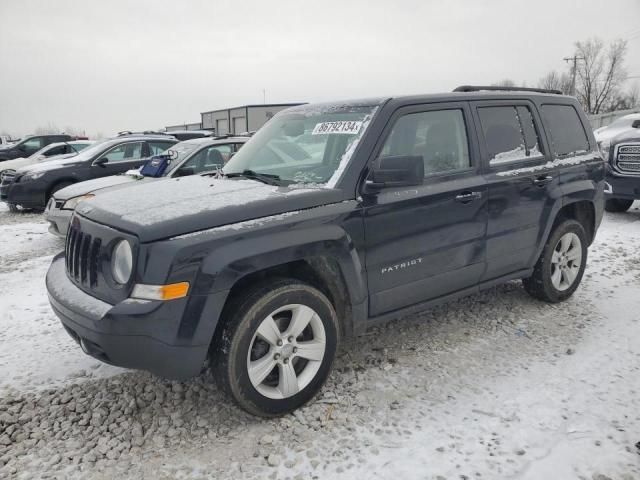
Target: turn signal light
{"type": "Point", "coordinates": [160, 292]}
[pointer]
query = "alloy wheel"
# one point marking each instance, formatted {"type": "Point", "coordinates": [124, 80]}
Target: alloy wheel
{"type": "Point", "coordinates": [286, 351]}
{"type": "Point", "coordinates": [565, 261]}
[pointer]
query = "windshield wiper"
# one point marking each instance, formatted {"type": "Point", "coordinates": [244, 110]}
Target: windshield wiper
{"type": "Point", "coordinates": [267, 178]}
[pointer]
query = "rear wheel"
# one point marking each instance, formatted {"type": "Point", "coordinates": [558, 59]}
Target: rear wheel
{"type": "Point", "coordinates": [276, 351]}
{"type": "Point", "coordinates": [559, 270]}
{"type": "Point", "coordinates": [617, 205]}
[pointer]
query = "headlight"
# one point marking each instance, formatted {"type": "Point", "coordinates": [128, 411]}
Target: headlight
{"type": "Point", "coordinates": [122, 262]}
{"type": "Point", "coordinates": [31, 176]}
{"type": "Point", "coordinates": [73, 202]}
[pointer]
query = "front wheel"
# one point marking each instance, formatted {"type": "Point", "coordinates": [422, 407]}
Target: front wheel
{"type": "Point", "coordinates": [617, 205]}
{"type": "Point", "coordinates": [276, 351]}
{"type": "Point", "coordinates": [561, 265]}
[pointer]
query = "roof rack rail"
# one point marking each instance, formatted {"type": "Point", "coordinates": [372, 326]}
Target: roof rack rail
{"type": "Point", "coordinates": [230, 135]}
{"type": "Point", "coordinates": [477, 88]}
{"type": "Point", "coordinates": [145, 132]}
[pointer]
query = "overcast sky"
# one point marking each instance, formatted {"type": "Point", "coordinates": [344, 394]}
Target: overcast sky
{"type": "Point", "coordinates": [105, 66]}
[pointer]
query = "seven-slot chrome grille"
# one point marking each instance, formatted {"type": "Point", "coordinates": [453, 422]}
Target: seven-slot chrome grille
{"type": "Point", "coordinates": [628, 159]}
{"type": "Point", "coordinates": [81, 255]}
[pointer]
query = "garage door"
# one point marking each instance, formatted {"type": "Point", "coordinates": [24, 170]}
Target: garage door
{"type": "Point", "coordinates": [222, 126]}
{"type": "Point", "coordinates": [239, 125]}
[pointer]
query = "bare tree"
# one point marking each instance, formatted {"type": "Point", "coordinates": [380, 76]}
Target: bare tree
{"type": "Point", "coordinates": [627, 100]}
{"type": "Point", "coordinates": [47, 129]}
{"type": "Point", "coordinates": [556, 81]}
{"type": "Point", "coordinates": [600, 74]}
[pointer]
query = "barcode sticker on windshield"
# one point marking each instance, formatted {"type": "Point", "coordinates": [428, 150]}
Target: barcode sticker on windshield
{"type": "Point", "coordinates": [337, 127]}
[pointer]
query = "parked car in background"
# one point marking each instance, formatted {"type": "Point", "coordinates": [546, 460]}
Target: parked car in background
{"type": "Point", "coordinates": [179, 134]}
{"type": "Point", "coordinates": [623, 171]}
{"type": "Point", "coordinates": [30, 145]}
{"type": "Point", "coordinates": [32, 186]}
{"type": "Point", "coordinates": [52, 151]}
{"type": "Point", "coordinates": [185, 158]}
{"type": "Point", "coordinates": [627, 123]}
{"type": "Point", "coordinates": [392, 206]}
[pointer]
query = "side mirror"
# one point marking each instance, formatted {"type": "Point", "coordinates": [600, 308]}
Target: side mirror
{"type": "Point", "coordinates": [101, 162]}
{"type": "Point", "coordinates": [635, 124]}
{"type": "Point", "coordinates": [22, 148]}
{"type": "Point", "coordinates": [184, 172]}
{"type": "Point", "coordinates": [396, 171]}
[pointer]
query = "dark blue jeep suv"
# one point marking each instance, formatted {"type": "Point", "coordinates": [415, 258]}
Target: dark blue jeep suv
{"type": "Point", "coordinates": [332, 218]}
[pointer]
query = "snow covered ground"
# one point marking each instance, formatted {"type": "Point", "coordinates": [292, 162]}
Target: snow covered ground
{"type": "Point", "coordinates": [497, 385]}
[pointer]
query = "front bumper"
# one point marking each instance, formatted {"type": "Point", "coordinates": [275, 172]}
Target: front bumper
{"type": "Point", "coordinates": [28, 194]}
{"type": "Point", "coordinates": [57, 217]}
{"type": "Point", "coordinates": [133, 333]}
{"type": "Point", "coordinates": [618, 186]}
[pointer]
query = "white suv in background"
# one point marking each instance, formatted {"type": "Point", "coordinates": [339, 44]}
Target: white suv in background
{"type": "Point", "coordinates": [51, 151]}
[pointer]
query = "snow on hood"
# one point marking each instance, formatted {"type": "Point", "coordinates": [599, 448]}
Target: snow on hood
{"type": "Point", "coordinates": [607, 133]}
{"type": "Point", "coordinates": [632, 135]}
{"type": "Point", "coordinates": [92, 186]}
{"type": "Point", "coordinates": [176, 206]}
{"type": "Point", "coordinates": [147, 204]}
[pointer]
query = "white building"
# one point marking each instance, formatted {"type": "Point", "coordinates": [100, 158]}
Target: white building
{"type": "Point", "coordinates": [247, 118]}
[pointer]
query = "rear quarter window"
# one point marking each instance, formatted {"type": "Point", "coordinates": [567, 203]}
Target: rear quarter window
{"type": "Point", "coordinates": [565, 129]}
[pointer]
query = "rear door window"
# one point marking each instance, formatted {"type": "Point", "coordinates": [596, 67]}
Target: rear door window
{"type": "Point", "coordinates": [510, 134]}
{"type": "Point", "coordinates": [565, 129]}
{"type": "Point", "coordinates": [125, 152]}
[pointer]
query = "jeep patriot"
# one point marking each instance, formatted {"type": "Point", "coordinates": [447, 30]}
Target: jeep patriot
{"type": "Point", "coordinates": [332, 218]}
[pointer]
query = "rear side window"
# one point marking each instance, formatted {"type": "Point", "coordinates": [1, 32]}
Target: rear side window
{"type": "Point", "coordinates": [565, 129]}
{"type": "Point", "coordinates": [510, 134]}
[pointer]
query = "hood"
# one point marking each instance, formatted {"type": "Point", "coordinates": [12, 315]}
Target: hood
{"type": "Point", "coordinates": [176, 206]}
{"type": "Point", "coordinates": [96, 185]}
{"type": "Point", "coordinates": [15, 163]}
{"type": "Point", "coordinates": [632, 135]}
{"type": "Point", "coordinates": [49, 165]}
{"type": "Point", "coordinates": [607, 134]}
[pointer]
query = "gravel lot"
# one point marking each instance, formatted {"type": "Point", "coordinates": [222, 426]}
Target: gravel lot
{"type": "Point", "coordinates": [496, 385]}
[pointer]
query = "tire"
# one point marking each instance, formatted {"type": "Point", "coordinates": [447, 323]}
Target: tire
{"type": "Point", "coordinates": [268, 391]}
{"type": "Point", "coordinates": [559, 260]}
{"type": "Point", "coordinates": [13, 208]}
{"type": "Point", "coordinates": [617, 205]}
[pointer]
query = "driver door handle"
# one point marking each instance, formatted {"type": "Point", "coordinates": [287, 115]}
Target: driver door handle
{"type": "Point", "coordinates": [468, 196]}
{"type": "Point", "coordinates": [542, 180]}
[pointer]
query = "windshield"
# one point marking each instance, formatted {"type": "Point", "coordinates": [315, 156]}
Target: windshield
{"type": "Point", "coordinates": [310, 144]}
{"type": "Point", "coordinates": [179, 152]}
{"type": "Point", "coordinates": [92, 150]}
{"type": "Point", "coordinates": [43, 150]}
{"type": "Point", "coordinates": [79, 146]}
